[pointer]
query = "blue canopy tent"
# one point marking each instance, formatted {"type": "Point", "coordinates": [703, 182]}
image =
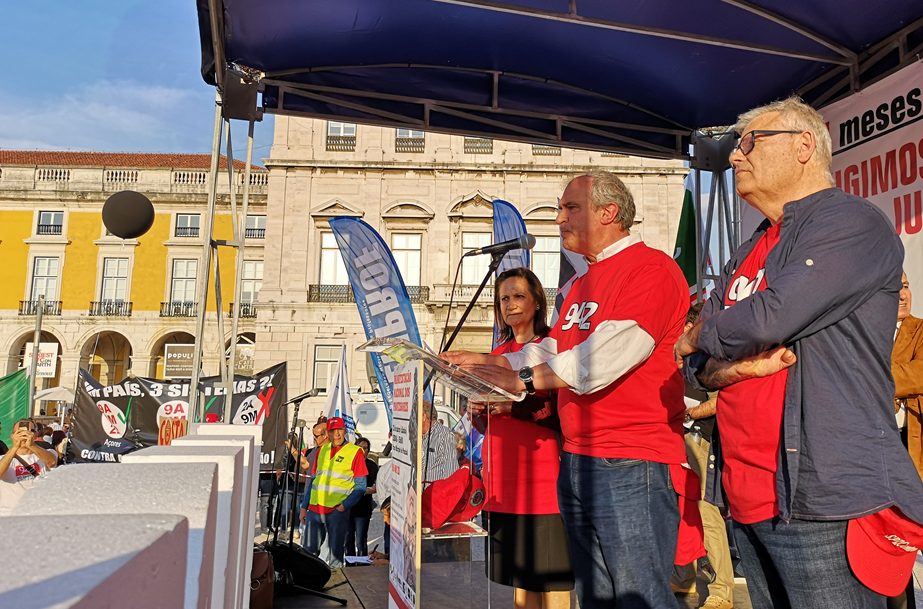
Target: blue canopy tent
{"type": "Point", "coordinates": [628, 77]}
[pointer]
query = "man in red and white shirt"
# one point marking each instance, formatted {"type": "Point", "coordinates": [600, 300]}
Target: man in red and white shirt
{"type": "Point", "coordinates": [620, 399]}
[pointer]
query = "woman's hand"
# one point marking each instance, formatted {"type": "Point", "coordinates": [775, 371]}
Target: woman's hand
{"type": "Point", "coordinates": [498, 408]}
{"type": "Point", "coordinates": [476, 409]}
{"type": "Point", "coordinates": [465, 358]}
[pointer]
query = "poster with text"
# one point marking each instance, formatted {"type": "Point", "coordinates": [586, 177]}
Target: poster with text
{"type": "Point", "coordinates": [878, 155]}
{"type": "Point", "coordinates": [404, 583]}
{"type": "Point", "coordinates": [139, 412]}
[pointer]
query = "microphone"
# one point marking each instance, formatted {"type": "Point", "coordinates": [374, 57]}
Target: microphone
{"type": "Point", "coordinates": [303, 396]}
{"type": "Point", "coordinates": [300, 423]}
{"type": "Point", "coordinates": [524, 242]}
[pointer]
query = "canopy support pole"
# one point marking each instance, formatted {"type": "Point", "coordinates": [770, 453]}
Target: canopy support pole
{"type": "Point", "coordinates": [202, 286]}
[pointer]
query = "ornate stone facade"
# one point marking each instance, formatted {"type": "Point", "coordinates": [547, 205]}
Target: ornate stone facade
{"type": "Point", "coordinates": [433, 187]}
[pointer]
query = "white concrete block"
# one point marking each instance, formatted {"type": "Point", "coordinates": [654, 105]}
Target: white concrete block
{"type": "Point", "coordinates": [230, 461]}
{"type": "Point", "coordinates": [251, 438]}
{"type": "Point", "coordinates": [93, 561]}
{"type": "Point", "coordinates": [185, 489]}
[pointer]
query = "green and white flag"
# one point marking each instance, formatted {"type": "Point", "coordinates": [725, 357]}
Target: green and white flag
{"type": "Point", "coordinates": [14, 400]}
{"type": "Point", "coordinates": [684, 252]}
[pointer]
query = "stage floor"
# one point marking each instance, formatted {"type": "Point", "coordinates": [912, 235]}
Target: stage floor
{"type": "Point", "coordinates": [458, 585]}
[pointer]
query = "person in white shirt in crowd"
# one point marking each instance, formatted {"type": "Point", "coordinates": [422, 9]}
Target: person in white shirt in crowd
{"type": "Point", "coordinates": [22, 464]}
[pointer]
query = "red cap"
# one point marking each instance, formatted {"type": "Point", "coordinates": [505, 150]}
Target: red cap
{"type": "Point", "coordinates": [211, 417]}
{"type": "Point", "coordinates": [335, 423]}
{"type": "Point", "coordinates": [882, 549]}
{"type": "Point", "coordinates": [456, 499]}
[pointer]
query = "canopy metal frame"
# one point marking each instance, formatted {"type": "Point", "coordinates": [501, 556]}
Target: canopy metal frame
{"type": "Point", "coordinates": [851, 72]}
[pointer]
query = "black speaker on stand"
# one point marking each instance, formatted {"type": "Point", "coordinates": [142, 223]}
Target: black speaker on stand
{"type": "Point", "coordinates": [300, 572]}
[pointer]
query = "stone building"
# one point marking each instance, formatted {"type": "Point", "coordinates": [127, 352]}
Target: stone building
{"type": "Point", "coordinates": [429, 196]}
{"type": "Point", "coordinates": [111, 304]}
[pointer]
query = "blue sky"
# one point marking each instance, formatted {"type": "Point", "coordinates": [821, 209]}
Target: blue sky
{"type": "Point", "coordinates": [109, 75]}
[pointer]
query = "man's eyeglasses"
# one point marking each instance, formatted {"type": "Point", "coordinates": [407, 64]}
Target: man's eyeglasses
{"type": "Point", "coordinates": [748, 141]}
{"type": "Point", "coordinates": [319, 435]}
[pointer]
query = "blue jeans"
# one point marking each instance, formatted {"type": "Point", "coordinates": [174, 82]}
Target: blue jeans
{"type": "Point", "coordinates": [357, 538]}
{"type": "Point", "coordinates": [800, 564]}
{"type": "Point", "coordinates": [333, 527]}
{"type": "Point", "coordinates": [622, 518]}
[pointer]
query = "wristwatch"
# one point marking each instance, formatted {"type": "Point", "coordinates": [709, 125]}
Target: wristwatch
{"type": "Point", "coordinates": [525, 375]}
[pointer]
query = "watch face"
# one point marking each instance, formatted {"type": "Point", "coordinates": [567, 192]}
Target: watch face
{"type": "Point", "coordinates": [525, 373]}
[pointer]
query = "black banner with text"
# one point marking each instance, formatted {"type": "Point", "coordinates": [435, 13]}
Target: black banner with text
{"type": "Point", "coordinates": [135, 413]}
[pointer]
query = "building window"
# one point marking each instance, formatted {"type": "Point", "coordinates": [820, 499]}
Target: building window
{"type": "Point", "coordinates": [408, 140]}
{"type": "Point", "coordinates": [256, 227]}
{"type": "Point", "coordinates": [546, 260]}
{"type": "Point", "coordinates": [478, 145]}
{"type": "Point", "coordinates": [183, 286]}
{"type": "Point", "coordinates": [251, 281]}
{"type": "Point", "coordinates": [187, 225]}
{"type": "Point", "coordinates": [341, 137]}
{"type": "Point", "coordinates": [543, 150]}
{"type": "Point", "coordinates": [115, 279]}
{"type": "Point", "coordinates": [406, 249]}
{"type": "Point", "coordinates": [332, 269]}
{"type": "Point", "coordinates": [50, 223]}
{"type": "Point", "coordinates": [326, 358]}
{"type": "Point", "coordinates": [45, 278]}
{"type": "Point", "coordinates": [474, 268]}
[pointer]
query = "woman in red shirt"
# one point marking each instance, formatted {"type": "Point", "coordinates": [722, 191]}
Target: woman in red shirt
{"type": "Point", "coordinates": [528, 546]}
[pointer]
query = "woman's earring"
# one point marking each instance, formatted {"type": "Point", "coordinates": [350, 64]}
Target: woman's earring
{"type": "Point", "coordinates": [537, 307]}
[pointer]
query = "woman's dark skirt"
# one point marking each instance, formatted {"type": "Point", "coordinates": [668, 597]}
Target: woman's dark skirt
{"type": "Point", "coordinates": [529, 551]}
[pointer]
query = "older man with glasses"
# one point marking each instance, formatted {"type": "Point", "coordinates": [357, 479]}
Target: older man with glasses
{"type": "Point", "coordinates": [798, 333]}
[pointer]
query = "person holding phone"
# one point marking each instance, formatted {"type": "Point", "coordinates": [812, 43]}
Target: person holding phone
{"type": "Point", "coordinates": [24, 462]}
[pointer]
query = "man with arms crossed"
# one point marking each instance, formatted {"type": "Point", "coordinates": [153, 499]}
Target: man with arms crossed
{"type": "Point", "coordinates": [620, 399]}
{"type": "Point", "coordinates": [798, 334]}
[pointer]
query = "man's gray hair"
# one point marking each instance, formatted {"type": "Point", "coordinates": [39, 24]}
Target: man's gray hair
{"type": "Point", "coordinates": [608, 188]}
{"type": "Point", "coordinates": [797, 116]}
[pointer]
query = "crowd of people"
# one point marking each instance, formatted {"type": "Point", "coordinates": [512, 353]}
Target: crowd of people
{"type": "Point", "coordinates": [788, 404]}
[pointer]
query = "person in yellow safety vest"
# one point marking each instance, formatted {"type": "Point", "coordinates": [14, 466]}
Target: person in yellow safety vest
{"type": "Point", "coordinates": [338, 482]}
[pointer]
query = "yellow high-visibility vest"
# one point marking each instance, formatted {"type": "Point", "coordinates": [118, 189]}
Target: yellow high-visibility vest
{"type": "Point", "coordinates": [334, 480]}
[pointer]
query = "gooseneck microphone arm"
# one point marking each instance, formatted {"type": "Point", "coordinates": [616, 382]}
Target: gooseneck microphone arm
{"type": "Point", "coordinates": [495, 260]}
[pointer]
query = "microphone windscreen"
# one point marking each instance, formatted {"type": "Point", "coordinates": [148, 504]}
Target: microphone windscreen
{"type": "Point", "coordinates": [527, 241]}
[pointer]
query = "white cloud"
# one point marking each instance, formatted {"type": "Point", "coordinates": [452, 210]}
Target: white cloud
{"type": "Point", "coordinates": [122, 116]}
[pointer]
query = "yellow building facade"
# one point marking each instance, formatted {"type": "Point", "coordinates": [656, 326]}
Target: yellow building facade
{"type": "Point", "coordinates": [111, 305]}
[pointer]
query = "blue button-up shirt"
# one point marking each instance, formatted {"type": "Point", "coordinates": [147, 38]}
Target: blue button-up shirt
{"type": "Point", "coordinates": [831, 297]}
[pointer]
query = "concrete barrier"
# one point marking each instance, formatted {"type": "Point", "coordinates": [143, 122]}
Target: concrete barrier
{"type": "Point", "coordinates": [250, 438]}
{"type": "Point", "coordinates": [185, 489]}
{"type": "Point", "coordinates": [130, 561]}
{"type": "Point", "coordinates": [230, 461]}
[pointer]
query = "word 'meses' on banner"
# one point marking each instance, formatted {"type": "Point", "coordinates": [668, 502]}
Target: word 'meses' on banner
{"type": "Point", "coordinates": [878, 155]}
{"type": "Point", "coordinates": [384, 305]}
{"type": "Point", "coordinates": [111, 421]}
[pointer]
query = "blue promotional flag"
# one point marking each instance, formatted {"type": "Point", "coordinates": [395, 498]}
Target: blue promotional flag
{"type": "Point", "coordinates": [508, 224]}
{"type": "Point", "coordinates": [384, 305]}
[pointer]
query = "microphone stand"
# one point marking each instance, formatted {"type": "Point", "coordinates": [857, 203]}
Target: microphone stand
{"type": "Point", "coordinates": [277, 515]}
{"type": "Point", "coordinates": [295, 509]}
{"type": "Point", "coordinates": [495, 260]}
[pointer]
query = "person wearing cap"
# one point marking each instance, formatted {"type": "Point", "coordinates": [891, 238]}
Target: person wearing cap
{"type": "Point", "coordinates": [798, 333]}
{"type": "Point", "coordinates": [620, 401]}
{"type": "Point", "coordinates": [338, 483]}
